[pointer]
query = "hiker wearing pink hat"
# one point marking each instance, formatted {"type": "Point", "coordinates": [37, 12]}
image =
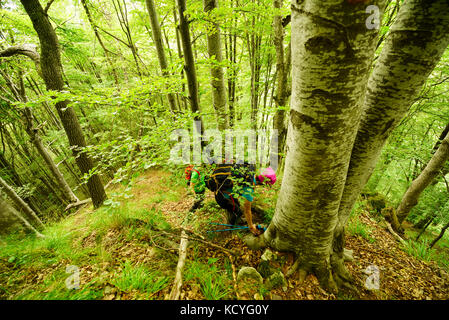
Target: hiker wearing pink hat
{"type": "Point", "coordinates": [268, 176]}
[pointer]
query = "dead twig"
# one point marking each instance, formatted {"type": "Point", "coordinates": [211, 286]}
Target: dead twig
{"type": "Point", "coordinates": [234, 277]}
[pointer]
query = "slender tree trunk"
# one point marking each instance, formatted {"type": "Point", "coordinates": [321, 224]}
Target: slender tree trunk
{"type": "Point", "coordinates": [189, 65]}
{"type": "Point", "coordinates": [181, 56]}
{"type": "Point", "coordinates": [443, 230]}
{"type": "Point", "coordinates": [6, 209]}
{"type": "Point", "coordinates": [231, 53]}
{"type": "Point", "coordinates": [216, 70]}
{"type": "Point", "coordinates": [329, 78]}
{"type": "Point", "coordinates": [100, 41]}
{"type": "Point", "coordinates": [20, 203]}
{"type": "Point", "coordinates": [35, 138]}
{"type": "Point", "coordinates": [122, 16]}
{"type": "Point", "coordinates": [157, 38]}
{"type": "Point", "coordinates": [427, 224]}
{"type": "Point", "coordinates": [52, 74]}
{"type": "Point", "coordinates": [432, 169]}
{"type": "Point", "coordinates": [415, 44]}
{"type": "Point", "coordinates": [282, 70]}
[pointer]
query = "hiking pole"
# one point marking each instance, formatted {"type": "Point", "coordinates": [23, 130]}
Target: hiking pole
{"type": "Point", "coordinates": [259, 227]}
{"type": "Point", "coordinates": [227, 225]}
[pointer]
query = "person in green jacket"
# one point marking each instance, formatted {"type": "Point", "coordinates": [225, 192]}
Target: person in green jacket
{"type": "Point", "coordinates": [196, 182]}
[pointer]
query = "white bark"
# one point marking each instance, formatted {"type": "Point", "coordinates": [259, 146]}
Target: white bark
{"type": "Point", "coordinates": [416, 42]}
{"type": "Point", "coordinates": [331, 55]}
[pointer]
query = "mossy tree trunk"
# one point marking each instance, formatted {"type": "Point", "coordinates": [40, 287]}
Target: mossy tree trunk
{"type": "Point", "coordinates": [52, 72]}
{"type": "Point", "coordinates": [416, 41]}
{"type": "Point", "coordinates": [332, 51]}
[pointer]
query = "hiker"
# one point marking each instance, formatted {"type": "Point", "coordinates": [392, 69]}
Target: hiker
{"type": "Point", "coordinates": [196, 182]}
{"type": "Point", "coordinates": [221, 183]}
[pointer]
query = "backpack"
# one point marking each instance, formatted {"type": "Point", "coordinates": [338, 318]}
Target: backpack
{"type": "Point", "coordinates": [222, 176]}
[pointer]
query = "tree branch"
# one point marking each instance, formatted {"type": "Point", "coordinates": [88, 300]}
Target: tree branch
{"type": "Point", "coordinates": [26, 50]}
{"type": "Point", "coordinates": [48, 6]}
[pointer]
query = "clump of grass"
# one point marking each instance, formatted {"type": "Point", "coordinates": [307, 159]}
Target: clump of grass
{"type": "Point", "coordinates": [213, 283]}
{"type": "Point", "coordinates": [140, 278]}
{"type": "Point", "coordinates": [355, 227]}
{"type": "Point", "coordinates": [419, 249]}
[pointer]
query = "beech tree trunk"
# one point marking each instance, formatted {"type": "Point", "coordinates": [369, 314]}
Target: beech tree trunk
{"type": "Point", "coordinates": [157, 38]}
{"type": "Point", "coordinates": [216, 70]}
{"type": "Point", "coordinates": [432, 169]}
{"type": "Point", "coordinates": [282, 70]}
{"type": "Point", "coordinates": [443, 230]}
{"type": "Point", "coordinates": [52, 74]}
{"type": "Point", "coordinates": [189, 65]}
{"type": "Point", "coordinates": [20, 204]}
{"type": "Point", "coordinates": [51, 165]}
{"type": "Point", "coordinates": [414, 46]}
{"type": "Point", "coordinates": [332, 52]}
{"type": "Point", "coordinates": [6, 210]}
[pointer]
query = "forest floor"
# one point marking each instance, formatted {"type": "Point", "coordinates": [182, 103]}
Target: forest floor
{"type": "Point", "coordinates": [128, 250]}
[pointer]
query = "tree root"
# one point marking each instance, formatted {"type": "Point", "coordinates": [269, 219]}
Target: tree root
{"type": "Point", "coordinates": [332, 275]}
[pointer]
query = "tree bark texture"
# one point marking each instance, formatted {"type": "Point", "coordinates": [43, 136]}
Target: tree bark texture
{"type": "Point", "coordinates": [52, 74]}
{"type": "Point", "coordinates": [332, 52]}
{"type": "Point", "coordinates": [416, 41]}
{"type": "Point", "coordinates": [216, 71]}
{"type": "Point", "coordinates": [20, 204]}
{"type": "Point", "coordinates": [189, 65]}
{"type": "Point", "coordinates": [282, 70]}
{"type": "Point", "coordinates": [157, 38]}
{"type": "Point", "coordinates": [432, 169]}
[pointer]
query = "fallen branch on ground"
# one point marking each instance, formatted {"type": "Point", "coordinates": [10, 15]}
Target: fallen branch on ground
{"type": "Point", "coordinates": [176, 290]}
{"type": "Point", "coordinates": [77, 204]}
{"type": "Point", "coordinates": [234, 277]}
{"type": "Point", "coordinates": [395, 234]}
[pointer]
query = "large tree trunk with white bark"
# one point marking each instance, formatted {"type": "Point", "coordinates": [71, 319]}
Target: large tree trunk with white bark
{"type": "Point", "coordinates": [216, 70]}
{"type": "Point", "coordinates": [332, 51]}
{"type": "Point", "coordinates": [414, 46]}
{"type": "Point", "coordinates": [432, 169]}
